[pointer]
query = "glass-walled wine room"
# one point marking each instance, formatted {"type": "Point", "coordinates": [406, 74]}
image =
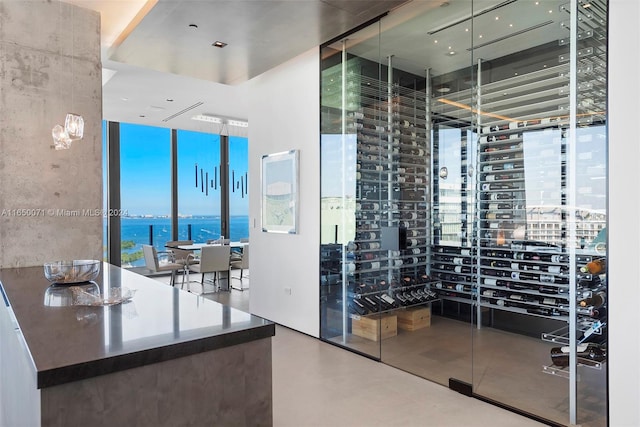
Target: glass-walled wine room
{"type": "Point", "coordinates": [464, 204]}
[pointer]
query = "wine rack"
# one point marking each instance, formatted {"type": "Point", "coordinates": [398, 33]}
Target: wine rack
{"type": "Point", "coordinates": [523, 266]}
{"type": "Point", "coordinates": [455, 269]}
{"type": "Point", "coordinates": [392, 185]}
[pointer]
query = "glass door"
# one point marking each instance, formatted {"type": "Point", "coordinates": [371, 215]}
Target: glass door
{"type": "Point", "coordinates": [355, 196]}
{"type": "Point", "coordinates": [542, 208]}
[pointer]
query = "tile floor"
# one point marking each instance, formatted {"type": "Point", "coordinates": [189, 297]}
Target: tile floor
{"type": "Point", "coordinates": [318, 384]}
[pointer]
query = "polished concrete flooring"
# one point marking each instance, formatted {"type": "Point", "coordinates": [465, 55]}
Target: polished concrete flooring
{"type": "Point", "coordinates": [319, 384]}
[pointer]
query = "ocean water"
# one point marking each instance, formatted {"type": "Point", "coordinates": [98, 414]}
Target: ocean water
{"type": "Point", "coordinates": [143, 231]}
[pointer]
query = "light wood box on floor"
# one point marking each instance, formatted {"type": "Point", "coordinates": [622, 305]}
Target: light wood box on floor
{"type": "Point", "coordinates": [413, 319]}
{"type": "Point", "coordinates": [375, 327]}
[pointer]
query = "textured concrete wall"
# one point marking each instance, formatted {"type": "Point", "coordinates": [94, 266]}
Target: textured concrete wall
{"type": "Point", "coordinates": [49, 66]}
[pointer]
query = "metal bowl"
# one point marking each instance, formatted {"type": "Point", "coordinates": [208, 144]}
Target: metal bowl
{"type": "Point", "coordinates": [76, 271]}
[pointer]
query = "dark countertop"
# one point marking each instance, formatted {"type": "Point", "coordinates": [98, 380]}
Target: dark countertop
{"type": "Point", "coordinates": [70, 343]}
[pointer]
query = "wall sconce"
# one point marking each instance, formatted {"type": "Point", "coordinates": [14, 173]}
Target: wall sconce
{"type": "Point", "coordinates": [73, 131]}
{"type": "Point", "coordinates": [74, 125]}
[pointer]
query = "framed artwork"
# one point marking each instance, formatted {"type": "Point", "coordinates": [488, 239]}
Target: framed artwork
{"type": "Point", "coordinates": [280, 192]}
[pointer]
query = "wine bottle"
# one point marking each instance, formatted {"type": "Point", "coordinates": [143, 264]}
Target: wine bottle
{"type": "Point", "coordinates": [384, 305]}
{"type": "Point", "coordinates": [495, 282]}
{"type": "Point", "coordinates": [526, 123]}
{"type": "Point", "coordinates": [375, 265]}
{"type": "Point", "coordinates": [497, 206]}
{"type": "Point", "coordinates": [357, 308]}
{"type": "Point", "coordinates": [589, 353]}
{"type": "Point", "coordinates": [516, 275]}
{"type": "Point", "coordinates": [596, 266]}
{"type": "Point", "coordinates": [497, 254]}
{"type": "Point", "coordinates": [496, 186]}
{"type": "Point", "coordinates": [596, 300]}
{"type": "Point", "coordinates": [496, 273]}
{"type": "Point", "coordinates": [500, 196]}
{"type": "Point", "coordinates": [497, 177]}
{"type": "Point", "coordinates": [402, 299]}
{"type": "Point", "coordinates": [521, 298]}
{"type": "Point", "coordinates": [498, 215]}
{"type": "Point", "coordinates": [544, 311]}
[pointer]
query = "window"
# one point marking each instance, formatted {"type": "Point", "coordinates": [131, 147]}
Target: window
{"type": "Point", "coordinates": [199, 186]}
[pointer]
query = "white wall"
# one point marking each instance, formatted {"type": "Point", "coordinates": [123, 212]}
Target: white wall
{"type": "Point", "coordinates": [284, 114]}
{"type": "Point", "coordinates": [624, 218]}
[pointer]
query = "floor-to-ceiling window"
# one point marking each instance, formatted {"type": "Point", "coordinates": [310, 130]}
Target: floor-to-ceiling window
{"type": "Point", "coordinates": [145, 190]}
{"type": "Point", "coordinates": [199, 186]}
{"type": "Point", "coordinates": [143, 160]}
{"type": "Point", "coordinates": [238, 187]}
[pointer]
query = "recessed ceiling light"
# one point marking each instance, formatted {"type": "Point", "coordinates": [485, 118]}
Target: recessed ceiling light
{"type": "Point", "coordinates": [451, 53]}
{"type": "Point", "coordinates": [142, 115]}
{"type": "Point", "coordinates": [443, 89]}
{"type": "Point", "coordinates": [219, 44]}
{"type": "Point", "coordinates": [169, 100]}
{"type": "Point", "coordinates": [124, 99]}
{"type": "Point", "coordinates": [497, 18]}
{"type": "Point", "coordinates": [480, 36]}
{"type": "Point", "coordinates": [466, 30]}
{"type": "Point", "coordinates": [550, 10]}
{"type": "Point", "coordinates": [194, 26]}
{"type": "Point", "coordinates": [435, 41]}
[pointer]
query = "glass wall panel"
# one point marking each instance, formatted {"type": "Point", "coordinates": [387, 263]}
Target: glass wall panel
{"type": "Point", "coordinates": [238, 182]}
{"type": "Point", "coordinates": [145, 189]}
{"type": "Point", "coordinates": [464, 163]}
{"type": "Point", "coordinates": [542, 181]}
{"type": "Point", "coordinates": [198, 186]}
{"type": "Point", "coordinates": [354, 108]}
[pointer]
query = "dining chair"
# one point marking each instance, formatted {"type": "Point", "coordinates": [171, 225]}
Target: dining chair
{"type": "Point", "coordinates": [182, 256]}
{"type": "Point", "coordinates": [161, 261]}
{"type": "Point", "coordinates": [213, 259]}
{"type": "Point", "coordinates": [242, 264]}
{"type": "Point", "coordinates": [236, 251]}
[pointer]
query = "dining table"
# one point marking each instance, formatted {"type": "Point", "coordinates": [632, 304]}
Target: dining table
{"type": "Point", "coordinates": [199, 246]}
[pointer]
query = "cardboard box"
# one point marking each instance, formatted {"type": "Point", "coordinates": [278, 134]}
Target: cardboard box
{"type": "Point", "coordinates": [375, 327]}
{"type": "Point", "coordinates": [413, 319]}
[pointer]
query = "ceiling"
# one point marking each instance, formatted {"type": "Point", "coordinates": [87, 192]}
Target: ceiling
{"type": "Point", "coordinates": [161, 69]}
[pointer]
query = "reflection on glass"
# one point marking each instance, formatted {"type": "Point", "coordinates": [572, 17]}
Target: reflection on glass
{"type": "Point", "coordinates": [199, 186]}
{"type": "Point", "coordinates": [238, 188]}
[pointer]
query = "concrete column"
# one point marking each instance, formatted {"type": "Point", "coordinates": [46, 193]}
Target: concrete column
{"type": "Point", "coordinates": [50, 201]}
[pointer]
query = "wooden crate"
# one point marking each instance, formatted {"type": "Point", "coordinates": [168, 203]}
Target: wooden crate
{"type": "Point", "coordinates": [413, 319]}
{"type": "Point", "coordinates": [375, 327]}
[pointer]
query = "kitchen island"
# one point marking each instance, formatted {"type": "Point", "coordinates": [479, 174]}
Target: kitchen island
{"type": "Point", "coordinates": [166, 357]}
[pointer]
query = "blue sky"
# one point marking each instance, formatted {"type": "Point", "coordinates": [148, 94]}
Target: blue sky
{"type": "Point", "coordinates": [146, 171]}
